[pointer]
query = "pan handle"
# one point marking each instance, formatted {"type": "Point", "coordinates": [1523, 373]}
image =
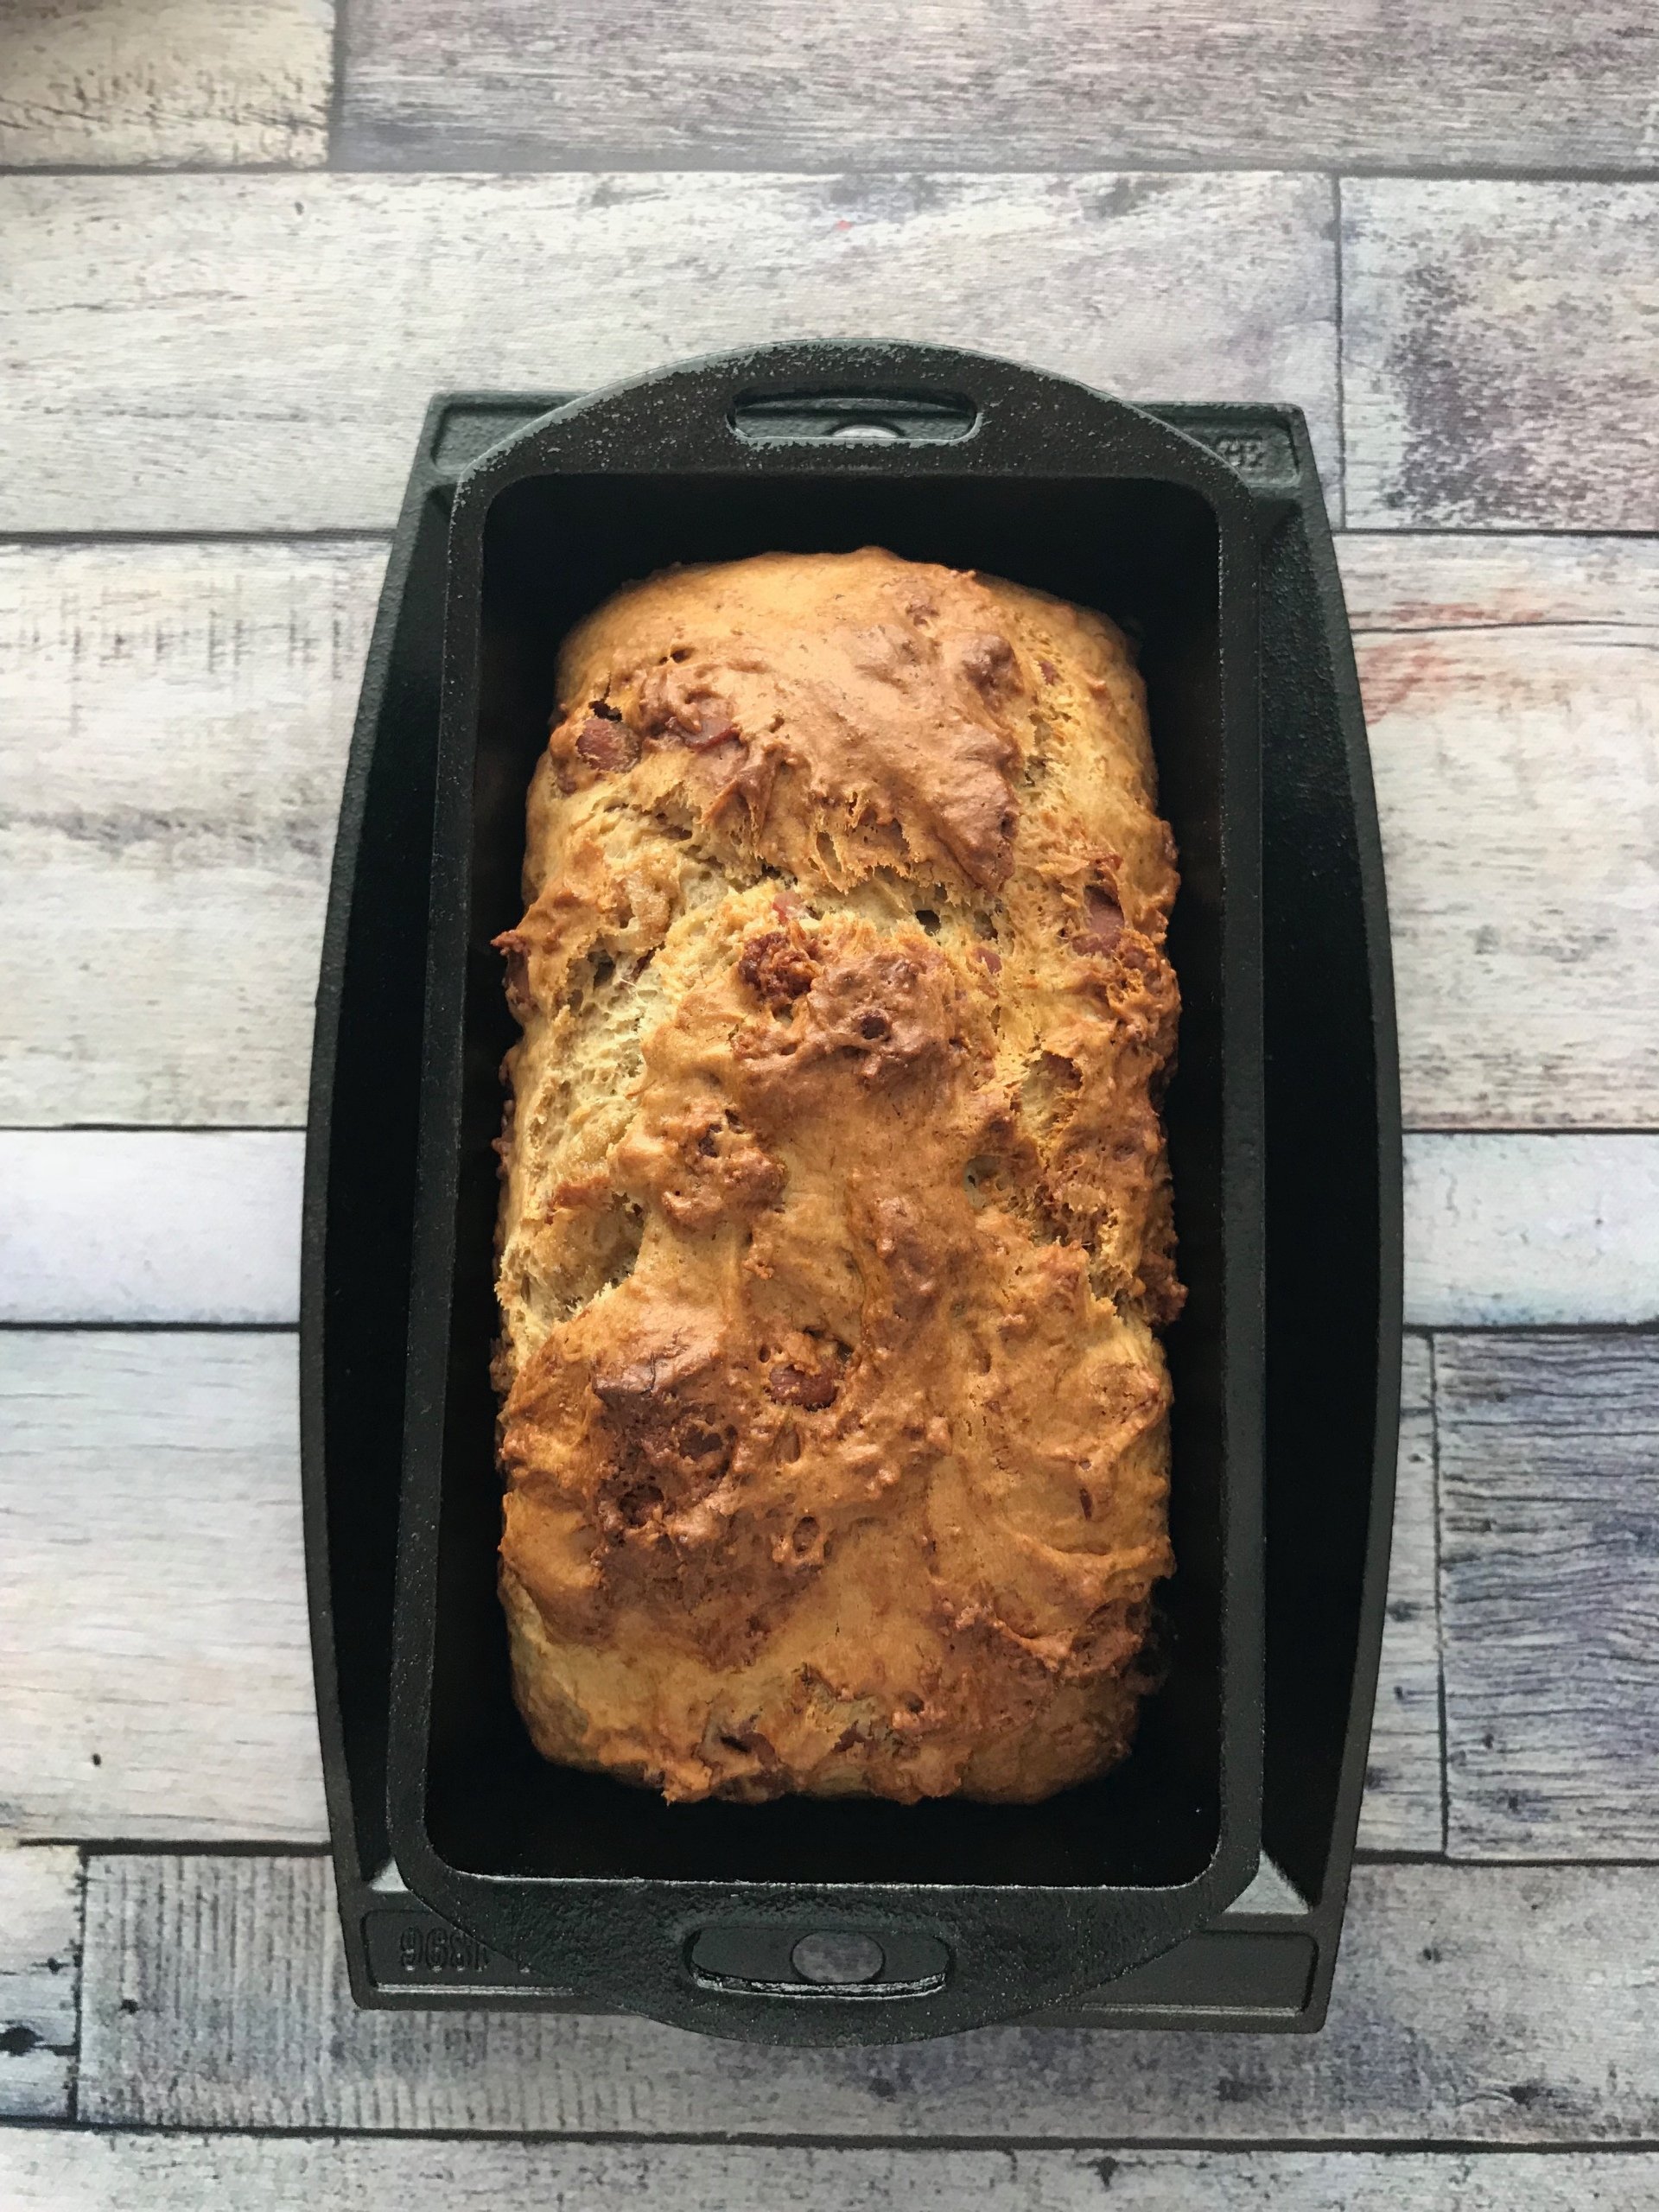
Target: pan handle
{"type": "Point", "coordinates": [810, 405]}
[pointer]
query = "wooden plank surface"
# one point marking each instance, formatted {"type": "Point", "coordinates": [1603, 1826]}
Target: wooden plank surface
{"type": "Point", "coordinates": [1490, 2005]}
{"type": "Point", "coordinates": [967, 84]}
{"type": "Point", "coordinates": [39, 1958]}
{"type": "Point", "coordinates": [1517, 779]}
{"type": "Point", "coordinates": [205, 352]}
{"type": "Point", "coordinates": [154, 1665]}
{"type": "Point", "coordinates": [173, 729]}
{"type": "Point", "coordinates": [1398, 581]}
{"type": "Point", "coordinates": [1516, 1231]}
{"type": "Point", "coordinates": [250, 352]}
{"type": "Point", "coordinates": [175, 1226]}
{"type": "Point", "coordinates": [58, 2170]}
{"type": "Point", "coordinates": [149, 1225]}
{"type": "Point", "coordinates": [1550, 1474]}
{"type": "Point", "coordinates": [1404, 1806]}
{"type": "Point", "coordinates": [121, 83]}
{"type": "Point", "coordinates": [154, 1673]}
{"type": "Point", "coordinates": [177, 717]}
{"type": "Point", "coordinates": [1501, 354]}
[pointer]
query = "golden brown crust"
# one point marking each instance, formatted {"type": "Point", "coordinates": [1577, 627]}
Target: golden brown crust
{"type": "Point", "coordinates": [835, 1218]}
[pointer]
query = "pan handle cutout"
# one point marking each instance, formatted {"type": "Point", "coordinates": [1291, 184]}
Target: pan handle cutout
{"type": "Point", "coordinates": [853, 417]}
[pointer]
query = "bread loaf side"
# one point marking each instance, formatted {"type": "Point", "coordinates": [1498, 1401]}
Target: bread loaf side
{"type": "Point", "coordinates": [835, 1218]}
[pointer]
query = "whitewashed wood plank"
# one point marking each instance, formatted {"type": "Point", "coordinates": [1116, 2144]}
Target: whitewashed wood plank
{"type": "Point", "coordinates": [1501, 354]}
{"type": "Point", "coordinates": [155, 1673]}
{"type": "Point", "coordinates": [204, 353]}
{"type": "Point", "coordinates": [1396, 580]}
{"type": "Point", "coordinates": [96, 2169]}
{"type": "Point", "coordinates": [154, 1680]}
{"type": "Point", "coordinates": [1404, 1806]}
{"type": "Point", "coordinates": [149, 1225]}
{"type": "Point", "coordinates": [179, 1226]}
{"type": "Point", "coordinates": [174, 721]}
{"type": "Point", "coordinates": [1549, 1502]}
{"type": "Point", "coordinates": [1520, 1230]}
{"type": "Point", "coordinates": [40, 1959]}
{"type": "Point", "coordinates": [173, 729]}
{"type": "Point", "coordinates": [107, 83]}
{"type": "Point", "coordinates": [436, 84]}
{"type": "Point", "coordinates": [1487, 2005]}
{"type": "Point", "coordinates": [1517, 780]}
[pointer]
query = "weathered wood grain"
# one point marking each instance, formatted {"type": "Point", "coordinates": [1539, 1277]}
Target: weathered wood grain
{"type": "Point", "coordinates": [1501, 354]}
{"type": "Point", "coordinates": [1418, 581]}
{"type": "Point", "coordinates": [1491, 2005]}
{"type": "Point", "coordinates": [104, 83]}
{"type": "Point", "coordinates": [177, 1226]}
{"type": "Point", "coordinates": [455, 84]}
{"type": "Point", "coordinates": [1518, 1230]}
{"type": "Point", "coordinates": [39, 1958]}
{"type": "Point", "coordinates": [149, 1225]}
{"type": "Point", "coordinates": [173, 723]}
{"type": "Point", "coordinates": [209, 352]}
{"type": "Point", "coordinates": [1404, 1806]}
{"type": "Point", "coordinates": [1517, 779]}
{"type": "Point", "coordinates": [173, 730]}
{"type": "Point", "coordinates": [96, 2169]}
{"type": "Point", "coordinates": [154, 1668]}
{"type": "Point", "coordinates": [1549, 1498]}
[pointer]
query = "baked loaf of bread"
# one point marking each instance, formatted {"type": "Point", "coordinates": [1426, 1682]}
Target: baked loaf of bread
{"type": "Point", "coordinates": [835, 1225]}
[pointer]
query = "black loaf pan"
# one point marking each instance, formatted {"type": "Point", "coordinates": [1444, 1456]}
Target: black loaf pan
{"type": "Point", "coordinates": [577, 1891]}
{"type": "Point", "coordinates": [1023, 476]}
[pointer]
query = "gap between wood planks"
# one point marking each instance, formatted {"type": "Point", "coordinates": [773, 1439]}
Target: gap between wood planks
{"type": "Point", "coordinates": [1336, 173]}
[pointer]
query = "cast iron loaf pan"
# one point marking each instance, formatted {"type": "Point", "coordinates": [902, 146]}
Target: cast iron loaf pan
{"type": "Point", "coordinates": [1003, 1908]}
{"type": "Point", "coordinates": [481, 1875]}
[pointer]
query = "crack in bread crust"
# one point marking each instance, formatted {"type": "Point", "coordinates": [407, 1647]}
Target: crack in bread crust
{"type": "Point", "coordinates": [835, 1221]}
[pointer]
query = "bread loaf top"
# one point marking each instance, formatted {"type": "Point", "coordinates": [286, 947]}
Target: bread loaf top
{"type": "Point", "coordinates": [836, 1220]}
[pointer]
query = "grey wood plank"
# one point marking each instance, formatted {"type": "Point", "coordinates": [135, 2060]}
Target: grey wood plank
{"type": "Point", "coordinates": [49, 2170]}
{"type": "Point", "coordinates": [1397, 581]}
{"type": "Point", "coordinates": [1490, 745]}
{"type": "Point", "coordinates": [155, 1677]}
{"type": "Point", "coordinates": [108, 83]}
{"type": "Point", "coordinates": [150, 1225]}
{"type": "Point", "coordinates": [1519, 1230]}
{"type": "Point", "coordinates": [177, 717]}
{"type": "Point", "coordinates": [171, 1226]}
{"type": "Point", "coordinates": [40, 1959]}
{"type": "Point", "coordinates": [1501, 354]}
{"type": "Point", "coordinates": [1518, 781]}
{"type": "Point", "coordinates": [173, 730]}
{"type": "Point", "coordinates": [1404, 1806]}
{"type": "Point", "coordinates": [207, 353]}
{"type": "Point", "coordinates": [155, 1667]}
{"type": "Point", "coordinates": [1473, 2005]}
{"type": "Point", "coordinates": [973, 85]}
{"type": "Point", "coordinates": [1549, 1499]}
